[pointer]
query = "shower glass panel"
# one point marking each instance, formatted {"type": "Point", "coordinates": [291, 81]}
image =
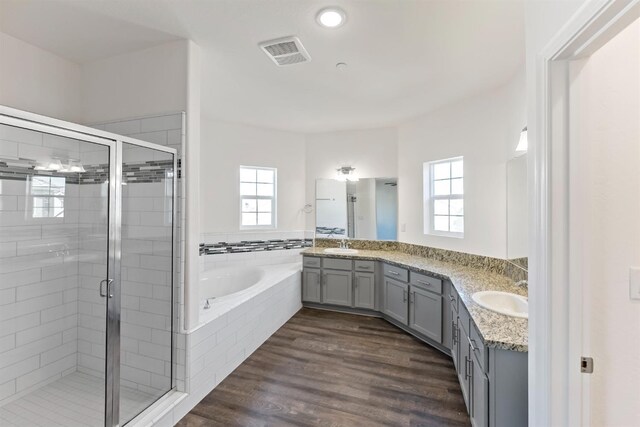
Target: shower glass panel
{"type": "Point", "coordinates": [54, 253]}
{"type": "Point", "coordinates": [86, 273]}
{"type": "Point", "coordinates": [147, 273]}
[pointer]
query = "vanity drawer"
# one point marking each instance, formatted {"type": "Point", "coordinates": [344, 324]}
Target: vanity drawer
{"type": "Point", "coordinates": [311, 261]}
{"type": "Point", "coordinates": [427, 282]}
{"type": "Point", "coordinates": [364, 265]}
{"type": "Point", "coordinates": [477, 346]}
{"type": "Point", "coordinates": [337, 264]}
{"type": "Point", "coordinates": [397, 273]}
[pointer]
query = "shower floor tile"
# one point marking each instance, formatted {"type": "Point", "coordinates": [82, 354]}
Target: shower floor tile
{"type": "Point", "coordinates": [74, 400]}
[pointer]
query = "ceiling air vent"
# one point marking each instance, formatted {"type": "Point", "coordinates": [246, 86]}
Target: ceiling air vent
{"type": "Point", "coordinates": [285, 51]}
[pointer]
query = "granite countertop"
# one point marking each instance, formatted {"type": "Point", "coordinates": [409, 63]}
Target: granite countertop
{"type": "Point", "coordinates": [497, 330]}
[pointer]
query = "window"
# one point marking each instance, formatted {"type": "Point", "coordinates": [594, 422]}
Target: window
{"type": "Point", "coordinates": [257, 197]}
{"type": "Point", "coordinates": [444, 197]}
{"type": "Point", "coordinates": [47, 196]}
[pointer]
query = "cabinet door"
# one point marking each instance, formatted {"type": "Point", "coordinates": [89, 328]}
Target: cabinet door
{"type": "Point", "coordinates": [395, 300]}
{"type": "Point", "coordinates": [464, 373]}
{"type": "Point", "coordinates": [425, 314]}
{"type": "Point", "coordinates": [365, 290]}
{"type": "Point", "coordinates": [337, 287]}
{"type": "Point", "coordinates": [311, 285]}
{"type": "Point", "coordinates": [479, 389]}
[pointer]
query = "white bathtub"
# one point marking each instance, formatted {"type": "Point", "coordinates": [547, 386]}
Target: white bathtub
{"type": "Point", "coordinates": [222, 289]}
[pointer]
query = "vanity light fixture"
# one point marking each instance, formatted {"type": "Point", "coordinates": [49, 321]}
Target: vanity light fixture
{"type": "Point", "coordinates": [331, 17]}
{"type": "Point", "coordinates": [523, 143]}
{"type": "Point", "coordinates": [345, 173]}
{"type": "Point", "coordinates": [54, 165]}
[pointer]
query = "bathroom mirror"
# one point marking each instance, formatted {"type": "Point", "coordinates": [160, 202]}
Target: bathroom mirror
{"type": "Point", "coordinates": [517, 218]}
{"type": "Point", "coordinates": [363, 209]}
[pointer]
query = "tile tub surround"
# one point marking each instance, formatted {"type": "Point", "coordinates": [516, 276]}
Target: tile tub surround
{"type": "Point", "coordinates": [497, 330]}
{"type": "Point", "coordinates": [494, 265]}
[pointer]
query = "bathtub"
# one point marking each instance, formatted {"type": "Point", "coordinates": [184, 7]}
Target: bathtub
{"type": "Point", "coordinates": [223, 289]}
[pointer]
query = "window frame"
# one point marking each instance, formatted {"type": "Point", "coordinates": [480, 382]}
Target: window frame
{"type": "Point", "coordinates": [273, 198]}
{"type": "Point", "coordinates": [430, 198]}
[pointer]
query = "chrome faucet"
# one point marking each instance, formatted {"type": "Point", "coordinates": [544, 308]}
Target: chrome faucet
{"type": "Point", "coordinates": [344, 244]}
{"type": "Point", "coordinates": [523, 283]}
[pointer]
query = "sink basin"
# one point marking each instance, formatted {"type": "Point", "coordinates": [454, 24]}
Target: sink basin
{"type": "Point", "coordinates": [503, 303]}
{"type": "Point", "coordinates": [341, 251]}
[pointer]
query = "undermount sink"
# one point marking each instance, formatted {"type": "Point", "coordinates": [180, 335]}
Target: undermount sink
{"type": "Point", "coordinates": [341, 251]}
{"type": "Point", "coordinates": [503, 303]}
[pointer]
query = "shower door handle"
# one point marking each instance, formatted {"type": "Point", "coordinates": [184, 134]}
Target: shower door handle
{"type": "Point", "coordinates": [107, 292]}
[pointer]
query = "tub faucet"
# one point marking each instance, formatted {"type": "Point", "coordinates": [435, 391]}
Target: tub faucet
{"type": "Point", "coordinates": [523, 283]}
{"type": "Point", "coordinates": [207, 305]}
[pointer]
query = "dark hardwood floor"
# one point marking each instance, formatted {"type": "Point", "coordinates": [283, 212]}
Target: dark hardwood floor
{"type": "Point", "coordinates": [332, 369]}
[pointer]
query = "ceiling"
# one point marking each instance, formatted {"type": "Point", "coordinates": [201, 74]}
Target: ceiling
{"type": "Point", "coordinates": [404, 57]}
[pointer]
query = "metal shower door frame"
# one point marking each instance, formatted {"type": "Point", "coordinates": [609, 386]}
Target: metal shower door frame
{"type": "Point", "coordinates": [25, 120]}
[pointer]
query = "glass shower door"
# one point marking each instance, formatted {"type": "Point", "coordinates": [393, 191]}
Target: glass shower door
{"type": "Point", "coordinates": [55, 251]}
{"type": "Point", "coordinates": [146, 356]}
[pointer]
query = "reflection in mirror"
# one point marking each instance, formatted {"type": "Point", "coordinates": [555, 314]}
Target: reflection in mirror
{"type": "Point", "coordinates": [517, 218]}
{"type": "Point", "coordinates": [364, 209]}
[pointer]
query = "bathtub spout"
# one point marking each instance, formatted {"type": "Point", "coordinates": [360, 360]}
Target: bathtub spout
{"type": "Point", "coordinates": [207, 305]}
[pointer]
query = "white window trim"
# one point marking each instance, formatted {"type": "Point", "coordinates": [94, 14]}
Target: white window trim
{"type": "Point", "coordinates": [429, 199]}
{"type": "Point", "coordinates": [274, 198]}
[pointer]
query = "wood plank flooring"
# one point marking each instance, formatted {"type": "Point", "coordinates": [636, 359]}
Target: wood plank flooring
{"type": "Point", "coordinates": [333, 369]}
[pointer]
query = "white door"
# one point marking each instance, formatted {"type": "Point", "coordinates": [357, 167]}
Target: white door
{"type": "Point", "coordinates": [604, 236]}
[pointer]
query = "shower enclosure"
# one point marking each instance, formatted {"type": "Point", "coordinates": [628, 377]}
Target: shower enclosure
{"type": "Point", "coordinates": [87, 265]}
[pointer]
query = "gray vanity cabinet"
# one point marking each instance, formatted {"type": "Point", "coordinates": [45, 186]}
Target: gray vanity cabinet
{"type": "Point", "coordinates": [311, 285]}
{"type": "Point", "coordinates": [464, 372]}
{"type": "Point", "coordinates": [395, 300]}
{"type": "Point", "coordinates": [364, 291]}
{"type": "Point", "coordinates": [479, 394]}
{"type": "Point", "coordinates": [336, 288]}
{"type": "Point", "coordinates": [425, 313]}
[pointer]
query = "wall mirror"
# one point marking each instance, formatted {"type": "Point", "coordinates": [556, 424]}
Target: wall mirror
{"type": "Point", "coordinates": [363, 209]}
{"type": "Point", "coordinates": [517, 215]}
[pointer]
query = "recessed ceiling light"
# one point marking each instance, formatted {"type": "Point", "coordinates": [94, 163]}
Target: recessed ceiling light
{"type": "Point", "coordinates": [331, 17]}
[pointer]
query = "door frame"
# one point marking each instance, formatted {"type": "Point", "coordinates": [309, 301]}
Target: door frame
{"type": "Point", "coordinates": [23, 119]}
{"type": "Point", "coordinates": [558, 392]}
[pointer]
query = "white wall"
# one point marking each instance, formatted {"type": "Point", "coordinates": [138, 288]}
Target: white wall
{"type": "Point", "coordinates": [35, 80]}
{"type": "Point", "coordinates": [141, 83]}
{"type": "Point", "coordinates": [606, 90]}
{"type": "Point", "coordinates": [481, 129]}
{"type": "Point", "coordinates": [373, 153]}
{"type": "Point", "coordinates": [224, 148]}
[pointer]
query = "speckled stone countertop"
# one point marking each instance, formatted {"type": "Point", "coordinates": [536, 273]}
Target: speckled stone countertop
{"type": "Point", "coordinates": [497, 330]}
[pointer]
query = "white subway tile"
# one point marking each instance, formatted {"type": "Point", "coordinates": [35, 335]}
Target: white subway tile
{"type": "Point", "coordinates": [45, 288]}
{"type": "Point", "coordinates": [8, 342]}
{"type": "Point", "coordinates": [168, 122]}
{"type": "Point", "coordinates": [46, 330]}
{"type": "Point", "coordinates": [58, 353]}
{"type": "Point", "coordinates": [135, 375]}
{"type": "Point", "coordinates": [32, 305]}
{"type": "Point", "coordinates": [125, 127]}
{"type": "Point", "coordinates": [8, 203]}
{"type": "Point", "coordinates": [16, 370]}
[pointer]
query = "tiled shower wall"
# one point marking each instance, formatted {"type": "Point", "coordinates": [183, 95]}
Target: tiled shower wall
{"type": "Point", "coordinates": [146, 258]}
{"type": "Point", "coordinates": [38, 270]}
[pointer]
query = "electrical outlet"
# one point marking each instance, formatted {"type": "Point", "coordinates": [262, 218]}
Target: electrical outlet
{"type": "Point", "coordinates": [403, 227]}
{"type": "Point", "coordinates": [634, 283]}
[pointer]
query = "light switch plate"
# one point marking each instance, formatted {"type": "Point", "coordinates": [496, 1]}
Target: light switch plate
{"type": "Point", "coordinates": [634, 283]}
